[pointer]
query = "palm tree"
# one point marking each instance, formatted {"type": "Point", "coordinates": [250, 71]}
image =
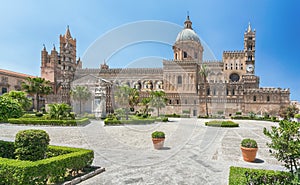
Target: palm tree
{"type": "Point", "coordinates": [204, 73]}
{"type": "Point", "coordinates": [158, 100]}
{"type": "Point", "coordinates": [145, 102]}
{"type": "Point", "coordinates": [37, 87]}
{"type": "Point", "coordinates": [133, 98]}
{"type": "Point", "coordinates": [122, 97]}
{"type": "Point", "coordinates": [81, 94]}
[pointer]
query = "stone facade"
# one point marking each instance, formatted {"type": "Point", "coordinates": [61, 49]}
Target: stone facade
{"type": "Point", "coordinates": [11, 81]}
{"type": "Point", "coordinates": [232, 85]}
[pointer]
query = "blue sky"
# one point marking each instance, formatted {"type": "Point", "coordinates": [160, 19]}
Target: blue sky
{"type": "Point", "coordinates": [27, 25]}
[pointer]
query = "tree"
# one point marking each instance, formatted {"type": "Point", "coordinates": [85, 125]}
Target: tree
{"type": "Point", "coordinates": [285, 143]}
{"type": "Point", "coordinates": [158, 100]}
{"type": "Point", "coordinates": [145, 102]}
{"type": "Point", "coordinates": [288, 112]}
{"type": "Point", "coordinates": [204, 74]}
{"type": "Point", "coordinates": [133, 98]}
{"type": "Point", "coordinates": [126, 98]}
{"type": "Point", "coordinates": [37, 87]}
{"type": "Point", "coordinates": [81, 94]}
{"type": "Point", "coordinates": [122, 98]}
{"type": "Point", "coordinates": [21, 97]}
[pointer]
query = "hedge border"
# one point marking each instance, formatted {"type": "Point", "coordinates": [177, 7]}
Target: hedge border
{"type": "Point", "coordinates": [13, 172]}
{"type": "Point", "coordinates": [108, 121]}
{"type": "Point", "coordinates": [216, 123]}
{"type": "Point", "coordinates": [237, 174]}
{"type": "Point", "coordinates": [31, 121]}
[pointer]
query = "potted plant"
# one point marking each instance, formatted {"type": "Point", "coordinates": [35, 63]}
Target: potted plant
{"type": "Point", "coordinates": [158, 138]}
{"type": "Point", "coordinates": [249, 149]}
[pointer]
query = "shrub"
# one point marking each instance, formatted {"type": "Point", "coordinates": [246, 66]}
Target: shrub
{"type": "Point", "coordinates": [285, 143]}
{"type": "Point", "coordinates": [158, 134]}
{"type": "Point", "coordinates": [60, 111]}
{"type": "Point", "coordinates": [297, 116]}
{"type": "Point", "coordinates": [249, 143]}
{"type": "Point", "coordinates": [9, 108]}
{"type": "Point", "coordinates": [165, 119]}
{"type": "Point", "coordinates": [247, 176]}
{"type": "Point", "coordinates": [174, 115]}
{"type": "Point", "coordinates": [217, 123]}
{"type": "Point", "coordinates": [39, 114]}
{"type": "Point", "coordinates": [31, 144]}
{"type": "Point", "coordinates": [54, 169]}
{"type": "Point", "coordinates": [238, 113]}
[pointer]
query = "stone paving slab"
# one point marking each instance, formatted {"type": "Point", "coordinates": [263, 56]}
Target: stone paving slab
{"type": "Point", "coordinates": [193, 153]}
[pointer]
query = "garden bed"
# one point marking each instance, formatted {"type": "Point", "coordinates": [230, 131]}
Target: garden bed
{"type": "Point", "coordinates": [61, 162]}
{"type": "Point", "coordinates": [217, 123]}
{"type": "Point", "coordinates": [39, 121]}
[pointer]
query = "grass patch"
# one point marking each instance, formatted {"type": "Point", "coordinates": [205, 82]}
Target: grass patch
{"type": "Point", "coordinates": [216, 123]}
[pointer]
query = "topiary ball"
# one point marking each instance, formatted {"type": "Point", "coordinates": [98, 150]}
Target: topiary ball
{"type": "Point", "coordinates": [31, 144]}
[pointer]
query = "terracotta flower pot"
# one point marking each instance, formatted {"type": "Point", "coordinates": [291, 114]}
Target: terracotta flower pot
{"type": "Point", "coordinates": [249, 154]}
{"type": "Point", "coordinates": [158, 143]}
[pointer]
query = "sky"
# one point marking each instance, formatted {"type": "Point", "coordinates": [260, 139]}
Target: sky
{"type": "Point", "coordinates": [27, 25]}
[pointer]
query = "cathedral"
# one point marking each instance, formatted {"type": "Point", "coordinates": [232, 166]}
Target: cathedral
{"type": "Point", "coordinates": [191, 84]}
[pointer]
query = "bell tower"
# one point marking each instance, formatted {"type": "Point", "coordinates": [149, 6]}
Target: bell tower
{"type": "Point", "coordinates": [249, 49]}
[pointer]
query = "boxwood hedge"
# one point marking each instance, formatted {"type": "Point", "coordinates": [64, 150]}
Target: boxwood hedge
{"type": "Point", "coordinates": [242, 176]}
{"type": "Point", "coordinates": [217, 123]}
{"type": "Point", "coordinates": [109, 121]}
{"type": "Point", "coordinates": [15, 172]}
{"type": "Point", "coordinates": [32, 121]}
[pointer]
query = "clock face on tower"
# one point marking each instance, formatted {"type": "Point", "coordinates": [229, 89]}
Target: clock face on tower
{"type": "Point", "coordinates": [250, 68]}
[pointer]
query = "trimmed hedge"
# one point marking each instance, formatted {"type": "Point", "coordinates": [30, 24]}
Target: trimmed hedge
{"type": "Point", "coordinates": [15, 172]}
{"type": "Point", "coordinates": [217, 123]}
{"type": "Point", "coordinates": [109, 121]}
{"type": "Point", "coordinates": [247, 176]}
{"type": "Point", "coordinates": [31, 144]}
{"type": "Point", "coordinates": [273, 119]}
{"type": "Point", "coordinates": [32, 121]}
{"type": "Point", "coordinates": [7, 149]}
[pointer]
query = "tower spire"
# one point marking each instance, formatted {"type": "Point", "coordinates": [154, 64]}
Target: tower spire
{"type": "Point", "coordinates": [68, 33]}
{"type": "Point", "coordinates": [249, 27]}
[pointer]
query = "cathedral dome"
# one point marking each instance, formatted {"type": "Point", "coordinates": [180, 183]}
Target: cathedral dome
{"type": "Point", "coordinates": [187, 34]}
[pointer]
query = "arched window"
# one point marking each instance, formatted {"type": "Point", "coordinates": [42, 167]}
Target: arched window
{"type": "Point", "coordinates": [214, 92]}
{"type": "Point", "coordinates": [227, 92]}
{"type": "Point", "coordinates": [254, 98]}
{"type": "Point", "coordinates": [176, 56]}
{"type": "Point", "coordinates": [184, 54]}
{"type": "Point", "coordinates": [268, 98]}
{"type": "Point", "coordinates": [177, 102]}
{"type": "Point", "coordinates": [232, 92]}
{"type": "Point", "coordinates": [179, 80]}
{"type": "Point", "coordinates": [185, 101]}
{"type": "Point", "coordinates": [170, 101]}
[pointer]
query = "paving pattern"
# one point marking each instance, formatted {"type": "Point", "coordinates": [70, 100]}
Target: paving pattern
{"type": "Point", "coordinates": [193, 153]}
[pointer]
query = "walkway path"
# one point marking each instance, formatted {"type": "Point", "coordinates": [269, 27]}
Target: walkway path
{"type": "Point", "coordinates": [193, 153]}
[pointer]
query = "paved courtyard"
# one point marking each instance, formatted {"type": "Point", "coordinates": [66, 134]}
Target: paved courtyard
{"type": "Point", "coordinates": [193, 153]}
